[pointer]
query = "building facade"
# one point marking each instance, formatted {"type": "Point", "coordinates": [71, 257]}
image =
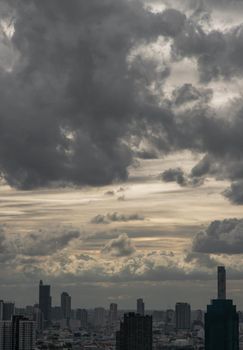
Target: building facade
{"type": "Point", "coordinates": [135, 333]}
{"type": "Point", "coordinates": [183, 316]}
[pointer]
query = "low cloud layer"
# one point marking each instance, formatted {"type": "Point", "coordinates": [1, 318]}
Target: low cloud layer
{"type": "Point", "coordinates": [116, 217]}
{"type": "Point", "coordinates": [120, 247]}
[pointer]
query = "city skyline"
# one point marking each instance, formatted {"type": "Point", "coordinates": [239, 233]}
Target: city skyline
{"type": "Point", "coordinates": [121, 169]}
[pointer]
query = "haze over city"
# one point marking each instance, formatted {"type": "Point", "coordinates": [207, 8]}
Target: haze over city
{"type": "Point", "coordinates": [121, 149]}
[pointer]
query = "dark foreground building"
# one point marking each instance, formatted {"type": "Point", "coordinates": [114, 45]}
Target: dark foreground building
{"type": "Point", "coordinates": [135, 333]}
{"type": "Point", "coordinates": [221, 320]}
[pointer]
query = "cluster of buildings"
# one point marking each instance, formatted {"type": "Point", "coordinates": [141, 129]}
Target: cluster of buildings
{"type": "Point", "coordinates": [42, 326]}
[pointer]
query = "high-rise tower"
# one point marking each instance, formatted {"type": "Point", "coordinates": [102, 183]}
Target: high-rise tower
{"type": "Point", "coordinates": [45, 302]}
{"type": "Point", "coordinates": [221, 320]}
{"type": "Point", "coordinates": [140, 307]}
{"type": "Point", "coordinates": [221, 282]}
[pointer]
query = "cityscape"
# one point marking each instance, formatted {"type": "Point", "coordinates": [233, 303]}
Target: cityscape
{"type": "Point", "coordinates": [121, 174]}
{"type": "Point", "coordinates": [43, 326]}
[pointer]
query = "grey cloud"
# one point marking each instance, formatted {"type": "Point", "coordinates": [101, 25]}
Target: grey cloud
{"type": "Point", "coordinates": [39, 243]}
{"type": "Point", "coordinates": [71, 101]}
{"type": "Point", "coordinates": [121, 246]}
{"type": "Point", "coordinates": [116, 217]}
{"type": "Point", "coordinates": [72, 104]}
{"type": "Point", "coordinates": [235, 192]}
{"type": "Point", "coordinates": [188, 93]}
{"type": "Point", "coordinates": [220, 237]}
{"type": "Point", "coordinates": [177, 175]}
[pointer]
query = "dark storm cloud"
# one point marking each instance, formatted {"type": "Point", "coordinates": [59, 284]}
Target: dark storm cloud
{"type": "Point", "coordinates": [218, 53]}
{"type": "Point", "coordinates": [220, 237]}
{"type": "Point", "coordinates": [68, 104]}
{"type": "Point", "coordinates": [235, 192]}
{"type": "Point", "coordinates": [73, 103]}
{"type": "Point", "coordinates": [116, 217]}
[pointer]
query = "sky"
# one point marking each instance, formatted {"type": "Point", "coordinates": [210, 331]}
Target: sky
{"type": "Point", "coordinates": [121, 168]}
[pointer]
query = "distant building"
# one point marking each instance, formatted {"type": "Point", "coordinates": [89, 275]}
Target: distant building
{"type": "Point", "coordinates": [66, 305]}
{"type": "Point", "coordinates": [82, 316]}
{"type": "Point", "coordinates": [8, 311]}
{"type": "Point", "coordinates": [56, 313]}
{"type": "Point", "coordinates": [38, 319]}
{"type": "Point", "coordinates": [45, 302]}
{"type": "Point", "coordinates": [113, 313]}
{"type": "Point", "coordinates": [183, 316]}
{"type": "Point", "coordinates": [140, 307]}
{"type": "Point", "coordinates": [221, 320]}
{"type": "Point", "coordinates": [135, 333]}
{"type": "Point", "coordinates": [170, 316]}
{"type": "Point", "coordinates": [99, 316]}
{"type": "Point", "coordinates": [221, 282]}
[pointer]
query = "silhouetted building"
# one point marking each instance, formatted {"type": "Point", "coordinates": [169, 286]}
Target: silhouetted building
{"type": "Point", "coordinates": [1, 310]}
{"type": "Point", "coordinates": [99, 316]}
{"type": "Point", "coordinates": [113, 313]}
{"type": "Point", "coordinates": [140, 307]}
{"type": "Point", "coordinates": [135, 333]}
{"type": "Point", "coordinates": [45, 302]}
{"type": "Point", "coordinates": [66, 305]}
{"type": "Point", "coordinates": [38, 318]}
{"type": "Point", "coordinates": [8, 311]}
{"type": "Point", "coordinates": [183, 316]}
{"type": "Point", "coordinates": [82, 316]}
{"type": "Point", "coordinates": [56, 313]}
{"type": "Point", "coordinates": [221, 282]}
{"type": "Point", "coordinates": [221, 321]}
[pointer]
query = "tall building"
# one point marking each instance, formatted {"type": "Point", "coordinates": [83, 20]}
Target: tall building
{"type": "Point", "coordinates": [45, 302]}
{"type": "Point", "coordinates": [113, 313]}
{"type": "Point", "coordinates": [140, 307]}
{"type": "Point", "coordinates": [135, 333]}
{"type": "Point", "coordinates": [183, 316]}
{"type": "Point", "coordinates": [221, 282]}
{"type": "Point", "coordinates": [5, 335]}
{"type": "Point", "coordinates": [38, 318]}
{"type": "Point", "coordinates": [221, 321]}
{"type": "Point", "coordinates": [1, 310]}
{"type": "Point", "coordinates": [99, 316]}
{"type": "Point", "coordinates": [18, 334]}
{"type": "Point", "coordinates": [8, 311]}
{"type": "Point", "coordinates": [66, 305]}
{"type": "Point", "coordinates": [82, 316]}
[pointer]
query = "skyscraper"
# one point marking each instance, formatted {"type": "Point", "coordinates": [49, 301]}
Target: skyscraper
{"type": "Point", "coordinates": [8, 310]}
{"type": "Point", "coordinates": [221, 320]}
{"type": "Point", "coordinates": [66, 305]}
{"type": "Point", "coordinates": [45, 302]}
{"type": "Point", "coordinates": [140, 307]}
{"type": "Point", "coordinates": [113, 313]}
{"type": "Point", "coordinates": [1, 310]}
{"type": "Point", "coordinates": [135, 333]}
{"type": "Point", "coordinates": [183, 316]}
{"type": "Point", "coordinates": [82, 316]}
{"type": "Point", "coordinates": [99, 316]}
{"type": "Point", "coordinates": [221, 282]}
